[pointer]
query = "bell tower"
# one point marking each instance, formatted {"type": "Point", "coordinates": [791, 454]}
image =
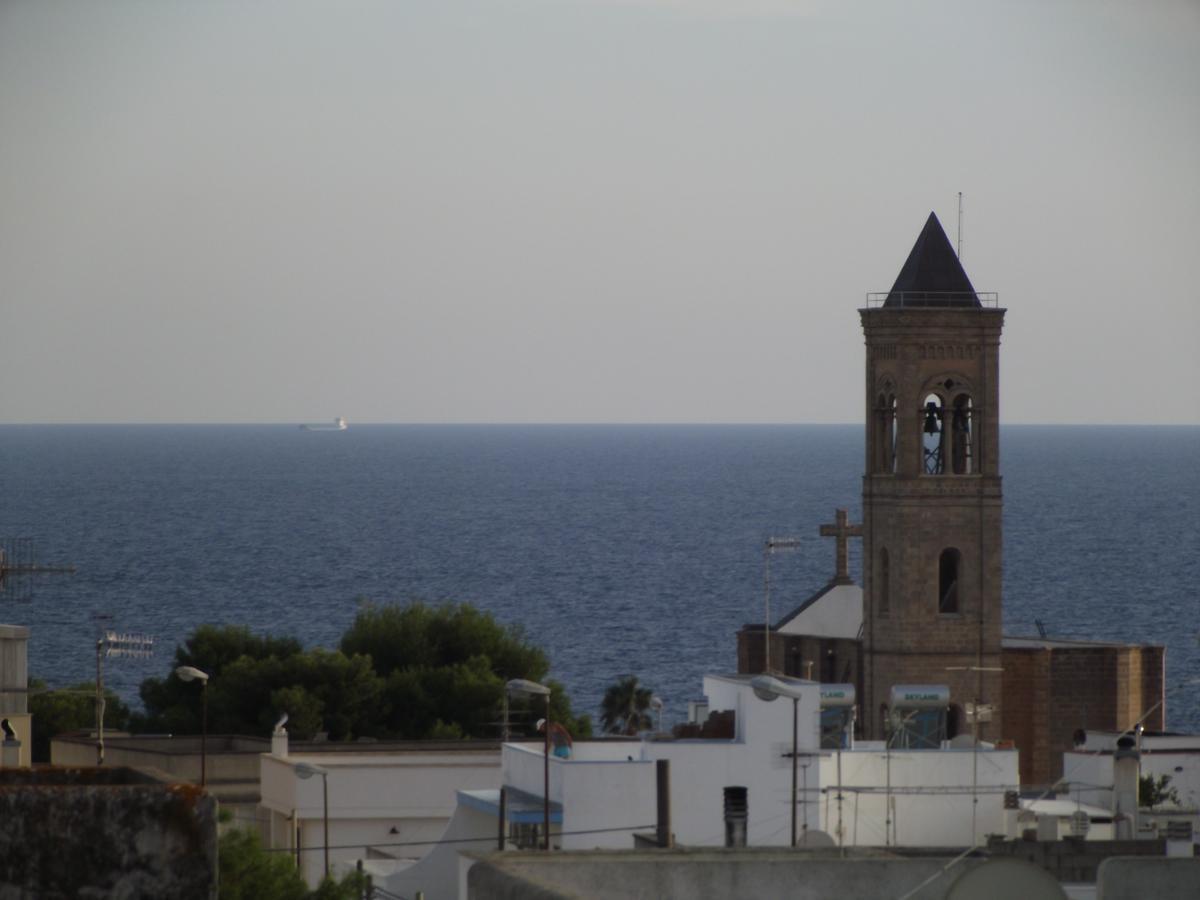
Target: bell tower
{"type": "Point", "coordinates": [931, 489]}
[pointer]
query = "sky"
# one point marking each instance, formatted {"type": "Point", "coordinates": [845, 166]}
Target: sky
{"type": "Point", "coordinates": [585, 210]}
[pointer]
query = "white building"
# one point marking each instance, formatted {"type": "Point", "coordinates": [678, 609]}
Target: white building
{"type": "Point", "coordinates": [915, 798]}
{"type": "Point", "coordinates": [386, 808]}
{"type": "Point", "coordinates": [605, 793]}
{"type": "Point", "coordinates": [1089, 773]}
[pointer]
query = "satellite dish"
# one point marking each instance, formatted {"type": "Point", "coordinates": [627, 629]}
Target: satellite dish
{"type": "Point", "coordinates": [1002, 879]}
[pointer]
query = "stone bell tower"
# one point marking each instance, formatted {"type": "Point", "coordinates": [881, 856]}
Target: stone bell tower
{"type": "Point", "coordinates": [931, 490]}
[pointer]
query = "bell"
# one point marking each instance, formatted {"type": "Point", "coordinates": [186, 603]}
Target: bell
{"type": "Point", "coordinates": [931, 418]}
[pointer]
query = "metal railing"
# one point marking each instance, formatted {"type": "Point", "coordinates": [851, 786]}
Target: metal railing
{"type": "Point", "coordinates": [933, 299]}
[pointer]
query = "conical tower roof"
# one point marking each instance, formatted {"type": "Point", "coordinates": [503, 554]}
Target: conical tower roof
{"type": "Point", "coordinates": [932, 275]}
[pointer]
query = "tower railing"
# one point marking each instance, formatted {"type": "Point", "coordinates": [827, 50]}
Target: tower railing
{"type": "Point", "coordinates": [934, 299]}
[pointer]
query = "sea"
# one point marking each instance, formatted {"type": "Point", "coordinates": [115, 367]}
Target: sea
{"type": "Point", "coordinates": [618, 549]}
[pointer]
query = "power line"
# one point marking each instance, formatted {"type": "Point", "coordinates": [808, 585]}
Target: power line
{"type": "Point", "coordinates": [1187, 682]}
{"type": "Point", "coordinates": [472, 840]}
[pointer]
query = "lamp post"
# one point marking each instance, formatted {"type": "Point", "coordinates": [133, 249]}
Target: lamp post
{"type": "Point", "coordinates": [191, 673]}
{"type": "Point", "coordinates": [527, 688]}
{"type": "Point", "coordinates": [768, 687]}
{"type": "Point", "coordinates": [308, 770]}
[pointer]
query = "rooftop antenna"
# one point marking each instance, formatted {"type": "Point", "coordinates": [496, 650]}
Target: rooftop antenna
{"type": "Point", "coordinates": [960, 224]}
{"type": "Point", "coordinates": [18, 567]}
{"type": "Point", "coordinates": [772, 545]}
{"type": "Point", "coordinates": [112, 643]}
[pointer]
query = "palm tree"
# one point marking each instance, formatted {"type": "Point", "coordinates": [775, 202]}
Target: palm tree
{"type": "Point", "coordinates": [623, 709]}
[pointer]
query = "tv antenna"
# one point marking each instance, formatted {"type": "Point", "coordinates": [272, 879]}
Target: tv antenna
{"type": "Point", "coordinates": [19, 565]}
{"type": "Point", "coordinates": [114, 644]}
{"type": "Point", "coordinates": [960, 224]}
{"type": "Point", "coordinates": [771, 546]}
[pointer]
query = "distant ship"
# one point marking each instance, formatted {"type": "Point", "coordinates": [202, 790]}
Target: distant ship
{"type": "Point", "coordinates": [339, 424]}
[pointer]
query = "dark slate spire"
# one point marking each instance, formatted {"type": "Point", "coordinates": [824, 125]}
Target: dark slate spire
{"type": "Point", "coordinates": [932, 274]}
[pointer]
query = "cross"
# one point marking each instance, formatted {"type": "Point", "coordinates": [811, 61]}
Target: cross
{"type": "Point", "coordinates": [843, 531]}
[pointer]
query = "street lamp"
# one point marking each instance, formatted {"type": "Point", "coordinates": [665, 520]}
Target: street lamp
{"type": "Point", "coordinates": [527, 688]}
{"type": "Point", "coordinates": [308, 770]}
{"type": "Point", "coordinates": [768, 687]}
{"type": "Point", "coordinates": [191, 673]}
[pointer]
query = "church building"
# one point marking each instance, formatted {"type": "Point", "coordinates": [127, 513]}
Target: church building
{"type": "Point", "coordinates": [930, 608]}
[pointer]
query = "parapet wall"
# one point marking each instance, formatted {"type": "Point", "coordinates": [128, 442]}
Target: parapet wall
{"type": "Point", "coordinates": [71, 832]}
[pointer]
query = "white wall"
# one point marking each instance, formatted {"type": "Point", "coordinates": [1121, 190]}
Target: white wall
{"type": "Point", "coordinates": [368, 796]}
{"type": "Point", "coordinates": [1091, 775]}
{"type": "Point", "coordinates": [930, 796]}
{"type": "Point", "coordinates": [601, 788]}
{"type": "Point", "coordinates": [605, 803]}
{"type": "Point", "coordinates": [437, 874]}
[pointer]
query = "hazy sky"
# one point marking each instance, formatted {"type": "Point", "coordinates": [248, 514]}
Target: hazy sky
{"type": "Point", "coordinates": [584, 210]}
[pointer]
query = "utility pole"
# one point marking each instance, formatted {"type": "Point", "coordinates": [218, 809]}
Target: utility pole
{"type": "Point", "coordinates": [110, 643]}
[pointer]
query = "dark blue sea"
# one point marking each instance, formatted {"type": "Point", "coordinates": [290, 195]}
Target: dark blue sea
{"type": "Point", "coordinates": [619, 549]}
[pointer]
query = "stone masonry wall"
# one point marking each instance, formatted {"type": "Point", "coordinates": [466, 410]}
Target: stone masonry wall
{"type": "Point", "coordinates": [70, 833]}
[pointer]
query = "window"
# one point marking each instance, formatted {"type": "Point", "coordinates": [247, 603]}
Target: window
{"type": "Point", "coordinates": [885, 431]}
{"type": "Point", "coordinates": [948, 571]}
{"type": "Point", "coordinates": [954, 720]}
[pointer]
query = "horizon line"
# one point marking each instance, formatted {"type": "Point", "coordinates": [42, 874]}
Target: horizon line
{"type": "Point", "coordinates": [290, 423]}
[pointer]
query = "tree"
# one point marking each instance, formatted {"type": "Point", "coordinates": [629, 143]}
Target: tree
{"type": "Point", "coordinates": [246, 871]}
{"type": "Point", "coordinates": [446, 667]}
{"type": "Point", "coordinates": [623, 709]}
{"type": "Point", "coordinates": [1154, 792]}
{"type": "Point", "coordinates": [412, 671]}
{"type": "Point", "coordinates": [69, 709]}
{"type": "Point", "coordinates": [252, 680]}
{"type": "Point", "coordinates": [418, 636]}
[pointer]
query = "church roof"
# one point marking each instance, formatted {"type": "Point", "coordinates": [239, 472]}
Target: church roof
{"type": "Point", "coordinates": [805, 605]}
{"type": "Point", "coordinates": [932, 276]}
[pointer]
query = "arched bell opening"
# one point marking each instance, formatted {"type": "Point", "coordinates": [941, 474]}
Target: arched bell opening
{"type": "Point", "coordinates": [933, 435]}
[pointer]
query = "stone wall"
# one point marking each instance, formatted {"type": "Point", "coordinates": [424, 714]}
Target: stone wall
{"type": "Point", "coordinates": [90, 832]}
{"type": "Point", "coordinates": [1052, 691]}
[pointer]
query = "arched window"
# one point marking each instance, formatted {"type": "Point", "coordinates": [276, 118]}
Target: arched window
{"type": "Point", "coordinates": [949, 564]}
{"type": "Point", "coordinates": [933, 436]}
{"type": "Point", "coordinates": [892, 425]}
{"type": "Point", "coordinates": [885, 431]}
{"type": "Point", "coordinates": [961, 437]}
{"type": "Point", "coordinates": [885, 584]}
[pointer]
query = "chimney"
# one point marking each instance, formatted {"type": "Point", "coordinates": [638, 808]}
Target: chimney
{"type": "Point", "coordinates": [736, 813]}
{"type": "Point", "coordinates": [1127, 767]}
{"type": "Point", "coordinates": [279, 742]}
